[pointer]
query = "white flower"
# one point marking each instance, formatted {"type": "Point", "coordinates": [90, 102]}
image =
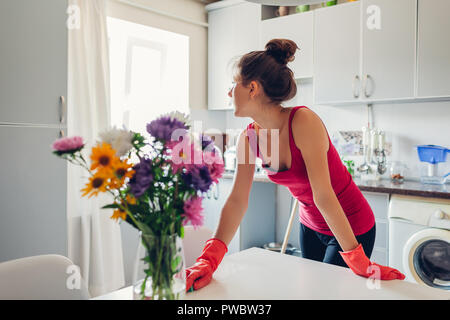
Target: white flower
{"type": "Point", "coordinates": [179, 116]}
{"type": "Point", "coordinates": [119, 139]}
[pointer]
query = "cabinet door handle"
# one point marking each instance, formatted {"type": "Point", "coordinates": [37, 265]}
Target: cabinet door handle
{"type": "Point", "coordinates": [62, 109]}
{"type": "Point", "coordinates": [367, 77]}
{"type": "Point", "coordinates": [356, 93]}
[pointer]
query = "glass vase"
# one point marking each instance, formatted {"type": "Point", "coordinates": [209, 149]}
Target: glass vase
{"type": "Point", "coordinates": [159, 268]}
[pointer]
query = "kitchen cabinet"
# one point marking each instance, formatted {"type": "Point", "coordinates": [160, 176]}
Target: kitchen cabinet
{"type": "Point", "coordinates": [33, 77]}
{"type": "Point", "coordinates": [336, 53]}
{"type": "Point", "coordinates": [299, 28]}
{"type": "Point", "coordinates": [388, 49]}
{"type": "Point", "coordinates": [233, 31]}
{"type": "Point", "coordinates": [433, 51]}
{"type": "Point", "coordinates": [379, 202]}
{"type": "Point", "coordinates": [258, 225]}
{"type": "Point", "coordinates": [365, 52]}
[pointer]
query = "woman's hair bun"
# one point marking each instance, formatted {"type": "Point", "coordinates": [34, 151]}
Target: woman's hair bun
{"type": "Point", "coordinates": [283, 50]}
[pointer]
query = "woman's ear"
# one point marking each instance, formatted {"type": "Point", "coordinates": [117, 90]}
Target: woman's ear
{"type": "Point", "coordinates": [255, 88]}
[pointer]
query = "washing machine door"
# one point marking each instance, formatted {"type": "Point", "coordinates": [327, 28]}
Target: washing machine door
{"type": "Point", "coordinates": [426, 258]}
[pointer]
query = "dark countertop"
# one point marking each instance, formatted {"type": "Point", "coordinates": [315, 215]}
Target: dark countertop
{"type": "Point", "coordinates": [408, 188]}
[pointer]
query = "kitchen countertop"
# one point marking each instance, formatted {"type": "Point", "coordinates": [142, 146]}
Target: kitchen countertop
{"type": "Point", "coordinates": [410, 188]}
{"type": "Point", "coordinates": [260, 274]}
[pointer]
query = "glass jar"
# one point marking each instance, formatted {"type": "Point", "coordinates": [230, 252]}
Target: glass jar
{"type": "Point", "coordinates": [159, 268]}
{"type": "Point", "coordinates": [398, 170]}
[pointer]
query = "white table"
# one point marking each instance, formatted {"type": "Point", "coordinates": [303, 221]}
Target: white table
{"type": "Point", "coordinates": [258, 274]}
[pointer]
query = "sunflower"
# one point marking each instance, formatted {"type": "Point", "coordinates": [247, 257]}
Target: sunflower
{"type": "Point", "coordinates": [103, 157]}
{"type": "Point", "coordinates": [120, 171]}
{"type": "Point", "coordinates": [97, 183]}
{"type": "Point", "coordinates": [119, 213]}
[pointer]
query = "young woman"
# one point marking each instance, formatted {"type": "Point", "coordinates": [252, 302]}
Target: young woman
{"type": "Point", "coordinates": [337, 225]}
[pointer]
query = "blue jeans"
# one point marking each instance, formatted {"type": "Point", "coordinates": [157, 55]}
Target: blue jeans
{"type": "Point", "coordinates": [321, 247]}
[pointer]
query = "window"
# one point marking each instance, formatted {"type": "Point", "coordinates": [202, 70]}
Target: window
{"type": "Point", "coordinates": [149, 73]}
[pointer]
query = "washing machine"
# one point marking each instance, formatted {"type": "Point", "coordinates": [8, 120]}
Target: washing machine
{"type": "Point", "coordinates": [419, 239]}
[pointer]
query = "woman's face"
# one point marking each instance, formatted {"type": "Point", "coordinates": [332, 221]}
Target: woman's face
{"type": "Point", "coordinates": [241, 97]}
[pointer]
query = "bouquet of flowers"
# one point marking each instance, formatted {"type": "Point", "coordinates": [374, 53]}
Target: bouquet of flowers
{"type": "Point", "coordinates": [157, 186]}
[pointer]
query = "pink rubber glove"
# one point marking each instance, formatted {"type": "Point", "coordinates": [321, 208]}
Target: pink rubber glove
{"type": "Point", "coordinates": [200, 274]}
{"type": "Point", "coordinates": [357, 260]}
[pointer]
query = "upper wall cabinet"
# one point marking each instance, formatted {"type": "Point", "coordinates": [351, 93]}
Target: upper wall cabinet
{"type": "Point", "coordinates": [233, 31]}
{"type": "Point", "coordinates": [299, 28]}
{"type": "Point", "coordinates": [433, 48]}
{"type": "Point", "coordinates": [388, 49]}
{"type": "Point", "coordinates": [336, 53]}
{"type": "Point", "coordinates": [365, 52]}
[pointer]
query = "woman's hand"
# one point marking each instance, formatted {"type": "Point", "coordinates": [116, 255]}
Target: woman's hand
{"type": "Point", "coordinates": [358, 262]}
{"type": "Point", "coordinates": [200, 274]}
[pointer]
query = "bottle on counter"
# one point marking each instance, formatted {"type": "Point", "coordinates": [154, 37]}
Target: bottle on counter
{"type": "Point", "coordinates": [229, 156]}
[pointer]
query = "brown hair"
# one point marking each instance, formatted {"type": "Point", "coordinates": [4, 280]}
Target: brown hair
{"type": "Point", "coordinates": [269, 67]}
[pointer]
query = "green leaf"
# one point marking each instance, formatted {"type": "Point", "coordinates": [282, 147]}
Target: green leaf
{"type": "Point", "coordinates": [111, 206]}
{"type": "Point", "coordinates": [144, 228]}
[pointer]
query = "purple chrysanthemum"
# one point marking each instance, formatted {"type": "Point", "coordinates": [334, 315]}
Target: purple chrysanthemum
{"type": "Point", "coordinates": [163, 127]}
{"type": "Point", "coordinates": [198, 177]}
{"type": "Point", "coordinates": [142, 178]}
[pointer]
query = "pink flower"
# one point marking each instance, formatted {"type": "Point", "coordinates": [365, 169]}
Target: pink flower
{"type": "Point", "coordinates": [185, 155]}
{"type": "Point", "coordinates": [68, 145]}
{"type": "Point", "coordinates": [193, 211]}
{"type": "Point", "coordinates": [215, 165]}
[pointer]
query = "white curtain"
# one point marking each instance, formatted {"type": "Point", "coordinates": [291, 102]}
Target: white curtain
{"type": "Point", "coordinates": [94, 240]}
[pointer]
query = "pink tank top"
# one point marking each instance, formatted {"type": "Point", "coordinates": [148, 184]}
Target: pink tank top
{"type": "Point", "coordinates": [355, 206]}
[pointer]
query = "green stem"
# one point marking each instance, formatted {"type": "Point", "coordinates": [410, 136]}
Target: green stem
{"type": "Point", "coordinates": [157, 279]}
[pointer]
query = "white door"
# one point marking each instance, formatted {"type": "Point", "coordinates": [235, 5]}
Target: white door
{"type": "Point", "coordinates": [388, 49]}
{"type": "Point", "coordinates": [337, 53]}
{"type": "Point", "coordinates": [426, 258]}
{"type": "Point", "coordinates": [433, 69]}
{"type": "Point", "coordinates": [33, 76]}
{"type": "Point", "coordinates": [299, 28]}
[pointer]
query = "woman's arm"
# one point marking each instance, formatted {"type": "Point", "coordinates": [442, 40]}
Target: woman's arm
{"type": "Point", "coordinates": [200, 274]}
{"type": "Point", "coordinates": [311, 138]}
{"type": "Point", "coordinates": [237, 203]}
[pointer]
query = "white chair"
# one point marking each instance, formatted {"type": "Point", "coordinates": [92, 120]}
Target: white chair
{"type": "Point", "coordinates": [43, 277]}
{"type": "Point", "coordinates": [193, 242]}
